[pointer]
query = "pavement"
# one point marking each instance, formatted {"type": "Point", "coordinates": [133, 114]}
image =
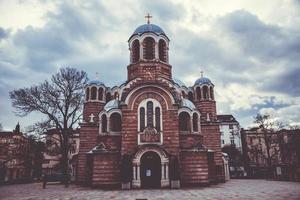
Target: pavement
{"type": "Point", "coordinates": [231, 190]}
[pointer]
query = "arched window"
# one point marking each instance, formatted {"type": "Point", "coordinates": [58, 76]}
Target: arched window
{"type": "Point", "coordinates": [205, 92]}
{"type": "Point", "coordinates": [157, 118]}
{"type": "Point", "coordinates": [212, 93]}
{"type": "Point", "coordinates": [100, 94]}
{"type": "Point", "coordinates": [184, 121]}
{"type": "Point", "coordinates": [162, 50]}
{"type": "Point", "coordinates": [104, 124]}
{"type": "Point", "coordinates": [87, 94]}
{"type": "Point", "coordinates": [115, 122]}
{"type": "Point", "coordinates": [195, 122]}
{"type": "Point", "coordinates": [191, 96]}
{"type": "Point", "coordinates": [93, 93]}
{"type": "Point", "coordinates": [142, 119]}
{"type": "Point", "coordinates": [198, 93]}
{"type": "Point", "coordinates": [135, 51]}
{"type": "Point", "coordinates": [150, 114]}
{"type": "Point", "coordinates": [149, 48]}
{"type": "Point", "coordinates": [108, 97]}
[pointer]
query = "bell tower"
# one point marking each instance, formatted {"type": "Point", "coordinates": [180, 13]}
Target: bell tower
{"type": "Point", "coordinates": [149, 59]}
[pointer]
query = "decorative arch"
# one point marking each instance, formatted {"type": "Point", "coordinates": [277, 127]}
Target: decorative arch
{"type": "Point", "coordinates": [162, 50]}
{"type": "Point", "coordinates": [149, 48]}
{"type": "Point", "coordinates": [135, 51]}
{"type": "Point", "coordinates": [162, 154]}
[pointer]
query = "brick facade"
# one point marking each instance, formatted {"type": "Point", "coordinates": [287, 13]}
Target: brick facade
{"type": "Point", "coordinates": [133, 139]}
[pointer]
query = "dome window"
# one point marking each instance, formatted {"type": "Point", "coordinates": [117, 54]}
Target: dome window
{"type": "Point", "coordinates": [205, 92]}
{"type": "Point", "coordinates": [93, 93]}
{"type": "Point", "coordinates": [149, 48]}
{"type": "Point", "coordinates": [162, 50]}
{"type": "Point", "coordinates": [87, 94]}
{"type": "Point", "coordinates": [135, 51]}
{"type": "Point", "coordinates": [184, 120]}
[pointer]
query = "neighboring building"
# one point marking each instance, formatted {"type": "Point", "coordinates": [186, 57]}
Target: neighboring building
{"type": "Point", "coordinates": [151, 130]}
{"type": "Point", "coordinates": [230, 131]}
{"type": "Point", "coordinates": [232, 144]}
{"type": "Point", "coordinates": [52, 155]}
{"type": "Point", "coordinates": [20, 159]}
{"type": "Point", "coordinates": [284, 153]}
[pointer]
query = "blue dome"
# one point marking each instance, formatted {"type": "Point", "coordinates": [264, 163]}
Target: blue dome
{"type": "Point", "coordinates": [187, 104]}
{"type": "Point", "coordinates": [179, 82]}
{"type": "Point", "coordinates": [148, 28]}
{"type": "Point", "coordinates": [95, 82]}
{"type": "Point", "coordinates": [203, 80]}
{"type": "Point", "coordinates": [111, 105]}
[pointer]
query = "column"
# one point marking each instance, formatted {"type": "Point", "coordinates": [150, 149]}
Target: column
{"type": "Point", "coordinates": [191, 122]}
{"type": "Point", "coordinates": [156, 51]}
{"type": "Point", "coordinates": [138, 172]}
{"type": "Point", "coordinates": [167, 172]}
{"type": "Point", "coordinates": [141, 50]}
{"type": "Point", "coordinates": [134, 175]}
{"type": "Point", "coordinates": [162, 171]}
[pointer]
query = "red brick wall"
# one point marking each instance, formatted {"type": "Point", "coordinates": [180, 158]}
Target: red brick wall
{"type": "Point", "coordinates": [130, 121]}
{"type": "Point", "coordinates": [149, 70]}
{"type": "Point", "coordinates": [206, 106]}
{"type": "Point", "coordinates": [189, 140]}
{"type": "Point", "coordinates": [88, 140]}
{"type": "Point", "coordinates": [111, 142]}
{"type": "Point", "coordinates": [106, 169]}
{"type": "Point", "coordinates": [92, 108]}
{"type": "Point", "coordinates": [193, 167]}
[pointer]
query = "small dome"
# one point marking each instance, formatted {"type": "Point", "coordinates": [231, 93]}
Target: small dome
{"type": "Point", "coordinates": [203, 80]}
{"type": "Point", "coordinates": [111, 105]}
{"type": "Point", "coordinates": [149, 28]}
{"type": "Point", "coordinates": [95, 82]}
{"type": "Point", "coordinates": [187, 104]}
{"type": "Point", "coordinates": [179, 82]}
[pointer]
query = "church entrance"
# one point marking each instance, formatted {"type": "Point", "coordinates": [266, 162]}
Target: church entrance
{"type": "Point", "coordinates": [150, 170]}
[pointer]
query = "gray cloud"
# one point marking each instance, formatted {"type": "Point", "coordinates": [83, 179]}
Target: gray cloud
{"type": "Point", "coordinates": [3, 33]}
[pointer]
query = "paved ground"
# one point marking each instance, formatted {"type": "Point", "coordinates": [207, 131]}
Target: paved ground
{"type": "Point", "coordinates": [231, 190]}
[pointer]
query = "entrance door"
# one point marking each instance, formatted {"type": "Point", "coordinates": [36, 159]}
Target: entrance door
{"type": "Point", "coordinates": [150, 170]}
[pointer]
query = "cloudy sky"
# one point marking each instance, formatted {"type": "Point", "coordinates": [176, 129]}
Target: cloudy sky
{"type": "Point", "coordinates": [249, 49]}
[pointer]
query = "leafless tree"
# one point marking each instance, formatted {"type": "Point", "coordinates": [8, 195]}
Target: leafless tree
{"type": "Point", "coordinates": [60, 99]}
{"type": "Point", "coordinates": [268, 126]}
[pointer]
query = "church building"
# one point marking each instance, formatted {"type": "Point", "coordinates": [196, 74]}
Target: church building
{"type": "Point", "coordinates": [151, 131]}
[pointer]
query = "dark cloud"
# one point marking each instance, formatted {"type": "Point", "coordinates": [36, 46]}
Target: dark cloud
{"type": "Point", "coordinates": [287, 83]}
{"type": "Point", "coordinates": [269, 43]}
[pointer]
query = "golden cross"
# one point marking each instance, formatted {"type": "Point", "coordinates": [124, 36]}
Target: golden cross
{"type": "Point", "coordinates": [201, 74]}
{"type": "Point", "coordinates": [97, 75]}
{"type": "Point", "coordinates": [148, 18]}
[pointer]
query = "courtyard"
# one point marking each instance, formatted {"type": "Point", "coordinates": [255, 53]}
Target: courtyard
{"type": "Point", "coordinates": [233, 189]}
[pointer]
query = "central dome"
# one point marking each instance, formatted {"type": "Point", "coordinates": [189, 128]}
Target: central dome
{"type": "Point", "coordinates": [148, 28]}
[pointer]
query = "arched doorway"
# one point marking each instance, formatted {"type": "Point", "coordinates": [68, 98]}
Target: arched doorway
{"type": "Point", "coordinates": [150, 170]}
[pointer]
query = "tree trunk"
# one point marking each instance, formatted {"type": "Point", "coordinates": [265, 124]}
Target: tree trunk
{"type": "Point", "coordinates": [65, 159]}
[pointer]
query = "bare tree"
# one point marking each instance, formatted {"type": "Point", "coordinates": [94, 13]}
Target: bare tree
{"type": "Point", "coordinates": [60, 100]}
{"type": "Point", "coordinates": [268, 127]}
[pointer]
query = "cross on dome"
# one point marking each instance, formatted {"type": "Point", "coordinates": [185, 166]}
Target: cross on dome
{"type": "Point", "coordinates": [97, 75]}
{"type": "Point", "coordinates": [148, 18]}
{"type": "Point", "coordinates": [201, 73]}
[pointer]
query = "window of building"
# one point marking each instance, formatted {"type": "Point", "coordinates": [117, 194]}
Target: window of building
{"type": "Point", "coordinates": [150, 115]}
{"type": "Point", "coordinates": [232, 141]}
{"type": "Point", "coordinates": [100, 94]}
{"type": "Point", "coordinates": [104, 124]}
{"type": "Point", "coordinates": [223, 142]}
{"type": "Point", "coordinates": [115, 122]}
{"type": "Point", "coordinates": [195, 122]}
{"type": "Point", "coordinates": [93, 93]}
{"type": "Point", "coordinates": [230, 126]}
{"type": "Point", "coordinates": [198, 93]}
{"type": "Point", "coordinates": [205, 92]}
{"type": "Point", "coordinates": [211, 93]}
{"type": "Point", "coordinates": [135, 51]}
{"type": "Point", "coordinates": [184, 121]}
{"type": "Point", "coordinates": [191, 96]}
{"type": "Point", "coordinates": [149, 48]}
{"type": "Point", "coordinates": [162, 50]}
{"type": "Point", "coordinates": [108, 97]}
